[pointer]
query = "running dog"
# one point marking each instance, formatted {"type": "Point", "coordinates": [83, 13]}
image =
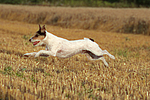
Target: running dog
{"type": "Point", "coordinates": [63, 48]}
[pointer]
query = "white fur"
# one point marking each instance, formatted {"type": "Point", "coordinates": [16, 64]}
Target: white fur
{"type": "Point", "coordinates": [56, 46]}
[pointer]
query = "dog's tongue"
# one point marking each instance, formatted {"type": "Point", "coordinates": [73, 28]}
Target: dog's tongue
{"type": "Point", "coordinates": [36, 42]}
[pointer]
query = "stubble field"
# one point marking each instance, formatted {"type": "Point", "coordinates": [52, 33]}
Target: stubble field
{"type": "Point", "coordinates": [22, 78]}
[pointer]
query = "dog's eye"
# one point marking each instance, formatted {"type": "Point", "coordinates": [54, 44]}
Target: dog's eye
{"type": "Point", "coordinates": [36, 35]}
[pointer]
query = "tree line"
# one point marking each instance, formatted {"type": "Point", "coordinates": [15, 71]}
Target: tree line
{"type": "Point", "coordinates": [83, 3]}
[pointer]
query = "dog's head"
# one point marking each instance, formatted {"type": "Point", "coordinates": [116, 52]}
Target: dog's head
{"type": "Point", "coordinates": [39, 36]}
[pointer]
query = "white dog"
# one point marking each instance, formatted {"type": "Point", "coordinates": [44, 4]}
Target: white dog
{"type": "Point", "coordinates": [56, 46]}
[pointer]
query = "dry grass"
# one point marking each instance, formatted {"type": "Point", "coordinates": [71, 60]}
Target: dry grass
{"type": "Point", "coordinates": [106, 19]}
{"type": "Point", "coordinates": [128, 76]}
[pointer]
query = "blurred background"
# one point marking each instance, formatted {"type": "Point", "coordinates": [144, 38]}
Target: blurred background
{"type": "Point", "coordinates": [82, 3]}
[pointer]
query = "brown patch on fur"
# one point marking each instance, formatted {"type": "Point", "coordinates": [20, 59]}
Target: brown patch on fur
{"type": "Point", "coordinates": [38, 38]}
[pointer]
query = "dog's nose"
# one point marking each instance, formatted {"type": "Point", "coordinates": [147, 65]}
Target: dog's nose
{"type": "Point", "coordinates": [30, 40]}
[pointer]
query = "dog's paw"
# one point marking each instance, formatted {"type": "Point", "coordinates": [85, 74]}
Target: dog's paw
{"type": "Point", "coordinates": [106, 64]}
{"type": "Point", "coordinates": [27, 54]}
{"type": "Point", "coordinates": [112, 57]}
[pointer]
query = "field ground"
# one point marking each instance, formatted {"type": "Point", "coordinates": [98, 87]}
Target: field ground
{"type": "Point", "coordinates": [127, 77]}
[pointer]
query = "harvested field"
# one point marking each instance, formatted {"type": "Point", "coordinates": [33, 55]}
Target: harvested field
{"type": "Point", "coordinates": [135, 21]}
{"type": "Point", "coordinates": [21, 78]}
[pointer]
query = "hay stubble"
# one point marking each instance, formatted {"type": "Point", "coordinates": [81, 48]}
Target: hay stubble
{"type": "Point", "coordinates": [128, 76]}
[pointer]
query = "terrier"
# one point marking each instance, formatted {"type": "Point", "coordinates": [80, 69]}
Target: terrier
{"type": "Point", "coordinates": [63, 48]}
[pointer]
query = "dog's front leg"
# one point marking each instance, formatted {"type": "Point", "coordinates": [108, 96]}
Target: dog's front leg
{"type": "Point", "coordinates": [44, 53]}
{"type": "Point", "coordinates": [30, 54]}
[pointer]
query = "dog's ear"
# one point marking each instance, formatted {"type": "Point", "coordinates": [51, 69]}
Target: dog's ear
{"type": "Point", "coordinates": [43, 28]}
{"type": "Point", "coordinates": [39, 27]}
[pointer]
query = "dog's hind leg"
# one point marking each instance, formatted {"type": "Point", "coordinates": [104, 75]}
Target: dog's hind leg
{"type": "Point", "coordinates": [107, 53]}
{"type": "Point", "coordinates": [92, 56]}
{"type": "Point", "coordinates": [104, 61]}
{"type": "Point", "coordinates": [98, 58]}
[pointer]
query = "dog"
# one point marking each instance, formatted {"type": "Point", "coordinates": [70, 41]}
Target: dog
{"type": "Point", "coordinates": [63, 48]}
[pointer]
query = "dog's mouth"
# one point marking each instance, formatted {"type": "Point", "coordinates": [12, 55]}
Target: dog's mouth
{"type": "Point", "coordinates": [36, 42]}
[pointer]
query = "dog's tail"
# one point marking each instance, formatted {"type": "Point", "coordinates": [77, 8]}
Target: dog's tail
{"type": "Point", "coordinates": [89, 39]}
